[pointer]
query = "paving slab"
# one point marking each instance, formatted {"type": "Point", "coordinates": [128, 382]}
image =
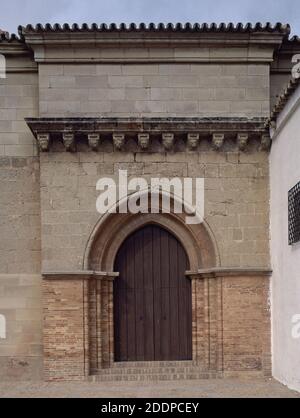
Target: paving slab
{"type": "Point", "coordinates": [213, 388]}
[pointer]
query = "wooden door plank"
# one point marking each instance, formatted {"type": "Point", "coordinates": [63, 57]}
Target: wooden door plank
{"type": "Point", "coordinates": [174, 300]}
{"type": "Point", "coordinates": [157, 292]}
{"type": "Point", "coordinates": [165, 297]}
{"type": "Point", "coordinates": [148, 295]}
{"type": "Point", "coordinates": [152, 298]}
{"type": "Point", "coordinates": [139, 296]}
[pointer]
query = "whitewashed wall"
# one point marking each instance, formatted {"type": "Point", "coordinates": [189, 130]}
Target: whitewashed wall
{"type": "Point", "coordinates": [285, 173]}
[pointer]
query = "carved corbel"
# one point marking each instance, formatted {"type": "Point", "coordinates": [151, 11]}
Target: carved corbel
{"type": "Point", "coordinates": [265, 142]}
{"type": "Point", "coordinates": [119, 141]}
{"type": "Point", "coordinates": [143, 141]}
{"type": "Point", "coordinates": [168, 141]}
{"type": "Point", "coordinates": [217, 141]}
{"type": "Point", "coordinates": [43, 141]}
{"type": "Point", "coordinates": [94, 141]}
{"type": "Point", "coordinates": [69, 142]}
{"type": "Point", "coordinates": [192, 141]}
{"type": "Point", "coordinates": [242, 141]}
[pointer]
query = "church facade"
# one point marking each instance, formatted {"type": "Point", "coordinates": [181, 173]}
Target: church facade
{"type": "Point", "coordinates": [85, 295]}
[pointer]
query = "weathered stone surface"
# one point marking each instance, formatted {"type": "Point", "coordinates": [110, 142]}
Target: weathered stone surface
{"type": "Point", "coordinates": [21, 304]}
{"type": "Point", "coordinates": [48, 202]}
{"type": "Point", "coordinates": [170, 89]}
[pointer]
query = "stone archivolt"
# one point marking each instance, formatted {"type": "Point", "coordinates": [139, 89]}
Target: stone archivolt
{"type": "Point", "coordinates": [192, 130]}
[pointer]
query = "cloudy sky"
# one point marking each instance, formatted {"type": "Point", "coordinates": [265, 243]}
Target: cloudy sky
{"type": "Point", "coordinates": [16, 12]}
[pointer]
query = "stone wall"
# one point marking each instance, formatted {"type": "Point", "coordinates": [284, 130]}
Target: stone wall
{"type": "Point", "coordinates": [19, 99]}
{"type": "Point", "coordinates": [236, 183]}
{"type": "Point", "coordinates": [21, 304]}
{"type": "Point", "coordinates": [20, 244]}
{"type": "Point", "coordinates": [285, 258]}
{"type": "Point", "coordinates": [56, 192]}
{"type": "Point", "coordinates": [236, 199]}
{"type": "Point", "coordinates": [154, 89]}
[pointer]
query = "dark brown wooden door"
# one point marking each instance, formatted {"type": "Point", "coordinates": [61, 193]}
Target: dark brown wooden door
{"type": "Point", "coordinates": [152, 298]}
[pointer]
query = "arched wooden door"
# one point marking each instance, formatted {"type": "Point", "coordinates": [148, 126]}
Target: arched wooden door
{"type": "Point", "coordinates": [152, 298]}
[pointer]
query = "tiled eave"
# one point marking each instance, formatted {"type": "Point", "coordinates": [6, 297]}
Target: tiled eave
{"type": "Point", "coordinates": [87, 43]}
{"type": "Point", "coordinates": [70, 131]}
{"type": "Point", "coordinates": [11, 45]}
{"type": "Point", "coordinates": [252, 43]}
{"type": "Point", "coordinates": [284, 98]}
{"type": "Point", "coordinates": [159, 27]}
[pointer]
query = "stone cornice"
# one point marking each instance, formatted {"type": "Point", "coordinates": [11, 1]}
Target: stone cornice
{"type": "Point", "coordinates": [14, 47]}
{"type": "Point", "coordinates": [92, 130]}
{"type": "Point", "coordinates": [228, 272]}
{"type": "Point", "coordinates": [150, 39]}
{"type": "Point", "coordinates": [143, 34]}
{"type": "Point", "coordinates": [183, 42]}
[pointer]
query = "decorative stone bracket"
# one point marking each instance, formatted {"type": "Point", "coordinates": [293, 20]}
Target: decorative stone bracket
{"type": "Point", "coordinates": [144, 140]}
{"type": "Point", "coordinates": [168, 141]}
{"type": "Point", "coordinates": [217, 141]}
{"type": "Point", "coordinates": [94, 141]}
{"type": "Point", "coordinates": [242, 141]}
{"type": "Point", "coordinates": [43, 141]}
{"type": "Point", "coordinates": [70, 130]}
{"type": "Point", "coordinates": [118, 140]}
{"type": "Point", "coordinates": [69, 142]}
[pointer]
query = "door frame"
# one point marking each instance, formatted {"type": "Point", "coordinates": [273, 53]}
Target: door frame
{"type": "Point", "coordinates": [105, 241]}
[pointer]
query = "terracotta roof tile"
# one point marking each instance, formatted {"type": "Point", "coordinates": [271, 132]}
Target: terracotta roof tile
{"type": "Point", "coordinates": [173, 27]}
{"type": "Point", "coordinates": [294, 39]}
{"type": "Point", "coordinates": [5, 36]}
{"type": "Point", "coordinates": [284, 97]}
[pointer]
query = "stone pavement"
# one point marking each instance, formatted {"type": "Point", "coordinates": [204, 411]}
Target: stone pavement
{"type": "Point", "coordinates": [219, 388]}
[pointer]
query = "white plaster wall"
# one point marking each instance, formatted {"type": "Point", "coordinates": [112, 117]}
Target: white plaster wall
{"type": "Point", "coordinates": [285, 173]}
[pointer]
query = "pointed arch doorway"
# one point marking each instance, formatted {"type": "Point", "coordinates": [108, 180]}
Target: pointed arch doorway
{"type": "Point", "coordinates": [152, 298]}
